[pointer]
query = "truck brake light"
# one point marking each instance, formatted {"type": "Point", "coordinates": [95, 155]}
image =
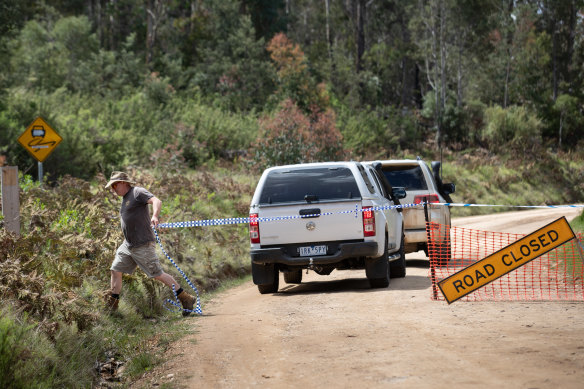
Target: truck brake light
{"type": "Point", "coordinates": [431, 198]}
{"type": "Point", "coordinates": [254, 228]}
{"type": "Point", "coordinates": [368, 221]}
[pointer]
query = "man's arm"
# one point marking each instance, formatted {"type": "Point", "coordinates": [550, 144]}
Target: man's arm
{"type": "Point", "coordinates": [156, 205]}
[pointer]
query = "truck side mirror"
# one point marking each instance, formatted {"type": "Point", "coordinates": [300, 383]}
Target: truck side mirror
{"type": "Point", "coordinates": [399, 192]}
{"type": "Point", "coordinates": [448, 188]}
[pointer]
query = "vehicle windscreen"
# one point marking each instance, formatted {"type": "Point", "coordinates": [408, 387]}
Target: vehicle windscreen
{"type": "Point", "coordinates": [309, 185]}
{"type": "Point", "coordinates": [409, 177]}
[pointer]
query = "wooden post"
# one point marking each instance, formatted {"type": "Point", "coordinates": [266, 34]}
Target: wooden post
{"type": "Point", "coordinates": [10, 199]}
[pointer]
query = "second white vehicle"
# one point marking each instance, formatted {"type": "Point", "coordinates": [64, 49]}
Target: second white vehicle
{"type": "Point", "coordinates": [422, 186]}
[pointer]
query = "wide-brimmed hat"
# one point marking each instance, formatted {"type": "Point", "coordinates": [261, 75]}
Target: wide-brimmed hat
{"type": "Point", "coordinates": [119, 177]}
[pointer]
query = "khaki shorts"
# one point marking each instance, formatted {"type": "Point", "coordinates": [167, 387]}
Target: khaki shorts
{"type": "Point", "coordinates": [144, 256]}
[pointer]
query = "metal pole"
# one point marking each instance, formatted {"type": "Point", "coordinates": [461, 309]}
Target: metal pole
{"type": "Point", "coordinates": [431, 257]}
{"type": "Point", "coordinates": [40, 166]}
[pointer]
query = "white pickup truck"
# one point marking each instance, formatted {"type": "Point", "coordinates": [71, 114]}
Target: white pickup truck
{"type": "Point", "coordinates": [325, 216]}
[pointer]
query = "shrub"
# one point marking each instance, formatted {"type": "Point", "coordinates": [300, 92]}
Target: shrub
{"type": "Point", "coordinates": [514, 126]}
{"type": "Point", "coordinates": [291, 137]}
{"type": "Point", "coordinates": [294, 79]}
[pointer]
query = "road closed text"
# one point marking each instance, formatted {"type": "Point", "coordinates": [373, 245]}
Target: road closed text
{"type": "Point", "coordinates": [506, 260]}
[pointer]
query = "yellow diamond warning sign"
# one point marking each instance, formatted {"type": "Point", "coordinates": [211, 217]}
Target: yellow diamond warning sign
{"type": "Point", "coordinates": [506, 260]}
{"type": "Point", "coordinates": [39, 139]}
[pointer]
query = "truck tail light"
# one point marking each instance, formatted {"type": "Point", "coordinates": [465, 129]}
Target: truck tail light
{"type": "Point", "coordinates": [431, 199]}
{"type": "Point", "coordinates": [368, 221]}
{"type": "Point", "coordinates": [254, 228]}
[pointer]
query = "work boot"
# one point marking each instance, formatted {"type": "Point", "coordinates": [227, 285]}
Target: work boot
{"type": "Point", "coordinates": [111, 303]}
{"type": "Point", "coordinates": [187, 301]}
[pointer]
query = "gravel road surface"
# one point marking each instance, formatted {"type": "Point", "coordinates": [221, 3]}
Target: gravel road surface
{"type": "Point", "coordinates": [334, 331]}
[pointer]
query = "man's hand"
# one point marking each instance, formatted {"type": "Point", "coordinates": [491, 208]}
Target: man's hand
{"type": "Point", "coordinates": [154, 221]}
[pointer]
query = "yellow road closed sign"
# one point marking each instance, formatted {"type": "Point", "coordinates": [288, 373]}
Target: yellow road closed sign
{"type": "Point", "coordinates": [39, 139]}
{"type": "Point", "coordinates": [506, 260]}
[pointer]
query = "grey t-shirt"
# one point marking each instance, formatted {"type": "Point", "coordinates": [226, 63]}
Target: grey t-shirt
{"type": "Point", "coordinates": [135, 217]}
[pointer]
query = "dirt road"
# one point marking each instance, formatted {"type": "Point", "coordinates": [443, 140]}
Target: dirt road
{"type": "Point", "coordinates": [337, 332]}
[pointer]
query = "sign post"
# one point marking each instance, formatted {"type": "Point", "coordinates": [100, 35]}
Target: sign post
{"type": "Point", "coordinates": [39, 139]}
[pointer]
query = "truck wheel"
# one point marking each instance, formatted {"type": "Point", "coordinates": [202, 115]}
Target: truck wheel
{"type": "Point", "coordinates": [293, 277]}
{"type": "Point", "coordinates": [377, 270]}
{"type": "Point", "coordinates": [397, 268]}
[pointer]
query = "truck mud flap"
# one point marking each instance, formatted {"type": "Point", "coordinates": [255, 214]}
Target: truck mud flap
{"type": "Point", "coordinates": [263, 274]}
{"type": "Point", "coordinates": [376, 268]}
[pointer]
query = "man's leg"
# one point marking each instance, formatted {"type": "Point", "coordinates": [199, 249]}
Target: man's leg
{"type": "Point", "coordinates": [123, 263]}
{"type": "Point", "coordinates": [187, 301]}
{"type": "Point", "coordinates": [168, 280]}
{"type": "Point", "coordinates": [113, 299]}
{"type": "Point", "coordinates": [116, 282]}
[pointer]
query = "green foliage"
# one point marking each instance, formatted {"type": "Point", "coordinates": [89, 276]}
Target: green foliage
{"type": "Point", "coordinates": [294, 79]}
{"type": "Point", "coordinates": [515, 126]}
{"type": "Point", "coordinates": [12, 352]}
{"type": "Point", "coordinates": [578, 223]}
{"type": "Point", "coordinates": [379, 132]}
{"type": "Point", "coordinates": [568, 121]}
{"type": "Point", "coordinates": [142, 363]}
{"type": "Point", "coordinates": [205, 132]}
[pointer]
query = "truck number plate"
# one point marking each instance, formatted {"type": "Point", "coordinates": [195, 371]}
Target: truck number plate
{"type": "Point", "coordinates": [312, 250]}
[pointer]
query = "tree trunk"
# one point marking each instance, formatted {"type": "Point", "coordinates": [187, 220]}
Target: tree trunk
{"type": "Point", "coordinates": [560, 134]}
{"type": "Point", "coordinates": [328, 31]}
{"type": "Point", "coordinates": [554, 58]}
{"type": "Point", "coordinates": [360, 34]}
{"type": "Point", "coordinates": [149, 32]}
{"type": "Point", "coordinates": [435, 30]}
{"type": "Point", "coordinates": [443, 55]}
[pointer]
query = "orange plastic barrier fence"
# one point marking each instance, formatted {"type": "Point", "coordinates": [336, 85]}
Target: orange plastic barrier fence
{"type": "Point", "coordinates": [555, 276]}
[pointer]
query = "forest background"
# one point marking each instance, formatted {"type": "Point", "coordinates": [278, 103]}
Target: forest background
{"type": "Point", "coordinates": [195, 98]}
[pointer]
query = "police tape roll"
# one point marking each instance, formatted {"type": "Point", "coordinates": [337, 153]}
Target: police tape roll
{"type": "Point", "coordinates": [198, 310]}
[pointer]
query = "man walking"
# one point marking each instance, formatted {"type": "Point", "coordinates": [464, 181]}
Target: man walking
{"type": "Point", "coordinates": [138, 248]}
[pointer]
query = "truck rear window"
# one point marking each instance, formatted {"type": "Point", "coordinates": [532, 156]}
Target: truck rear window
{"type": "Point", "coordinates": [408, 177]}
{"type": "Point", "coordinates": [309, 185]}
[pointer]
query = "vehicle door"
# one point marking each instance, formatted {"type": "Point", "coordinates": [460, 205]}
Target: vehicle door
{"type": "Point", "coordinates": [392, 216]}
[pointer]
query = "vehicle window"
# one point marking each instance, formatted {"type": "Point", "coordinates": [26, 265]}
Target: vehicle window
{"type": "Point", "coordinates": [366, 179]}
{"type": "Point", "coordinates": [409, 177]}
{"type": "Point", "coordinates": [377, 183]}
{"type": "Point", "coordinates": [314, 184]}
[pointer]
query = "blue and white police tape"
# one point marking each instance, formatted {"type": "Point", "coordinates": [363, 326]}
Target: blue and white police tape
{"type": "Point", "coordinates": [356, 211]}
{"type": "Point", "coordinates": [176, 303]}
{"type": "Point", "coordinates": [510, 206]}
{"type": "Point", "coordinates": [246, 220]}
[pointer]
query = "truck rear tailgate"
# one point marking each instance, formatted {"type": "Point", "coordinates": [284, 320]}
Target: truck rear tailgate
{"type": "Point", "coordinates": [294, 223]}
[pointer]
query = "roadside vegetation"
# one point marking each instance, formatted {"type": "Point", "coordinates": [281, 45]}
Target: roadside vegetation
{"type": "Point", "coordinates": [194, 99]}
{"type": "Point", "coordinates": [54, 329]}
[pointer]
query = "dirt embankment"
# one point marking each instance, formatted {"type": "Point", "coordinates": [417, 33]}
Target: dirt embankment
{"type": "Point", "coordinates": [335, 331]}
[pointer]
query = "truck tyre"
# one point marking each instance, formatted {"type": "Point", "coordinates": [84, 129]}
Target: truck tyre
{"type": "Point", "coordinates": [266, 277]}
{"type": "Point", "coordinates": [293, 277]}
{"type": "Point", "coordinates": [397, 268]}
{"type": "Point", "coordinates": [377, 270]}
